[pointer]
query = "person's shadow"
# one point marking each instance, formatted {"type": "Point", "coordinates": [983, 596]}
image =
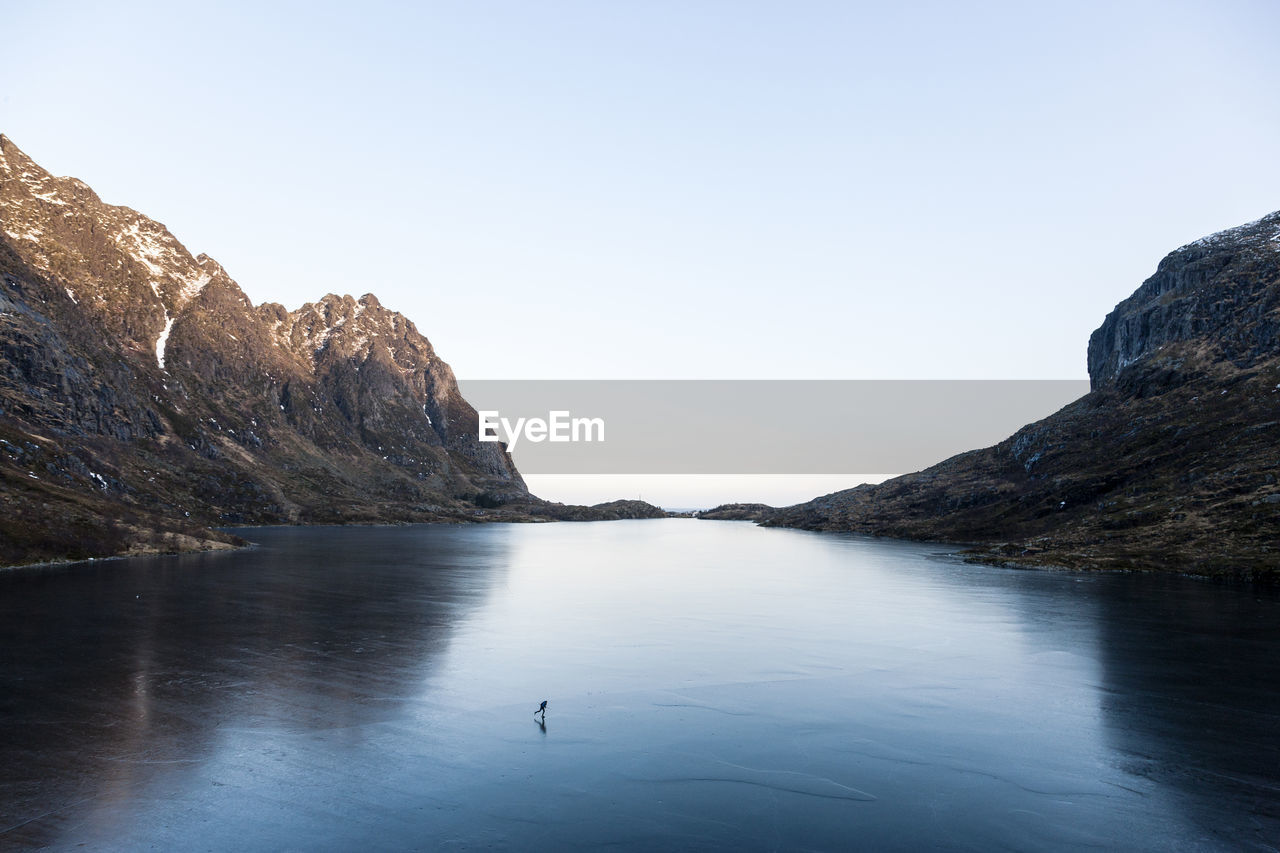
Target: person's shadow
{"type": "Point", "coordinates": [542, 723]}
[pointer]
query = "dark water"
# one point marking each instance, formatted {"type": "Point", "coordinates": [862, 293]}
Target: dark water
{"type": "Point", "coordinates": [712, 685]}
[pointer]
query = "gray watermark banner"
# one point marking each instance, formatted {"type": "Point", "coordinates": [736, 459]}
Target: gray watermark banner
{"type": "Point", "coordinates": [754, 426]}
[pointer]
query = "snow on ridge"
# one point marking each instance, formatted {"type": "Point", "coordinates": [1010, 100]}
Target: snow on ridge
{"type": "Point", "coordinates": [145, 248]}
{"type": "Point", "coordinates": [36, 185]}
{"type": "Point", "coordinates": [1230, 234]}
{"type": "Point", "coordinates": [320, 339]}
{"type": "Point", "coordinates": [192, 285]}
{"type": "Point", "coordinates": [153, 250]}
{"type": "Point", "coordinates": [144, 240]}
{"type": "Point", "coordinates": [51, 196]}
{"type": "Point", "coordinates": [329, 316]}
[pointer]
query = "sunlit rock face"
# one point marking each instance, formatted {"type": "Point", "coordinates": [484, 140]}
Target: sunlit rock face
{"type": "Point", "coordinates": [143, 395]}
{"type": "Point", "coordinates": [1170, 462]}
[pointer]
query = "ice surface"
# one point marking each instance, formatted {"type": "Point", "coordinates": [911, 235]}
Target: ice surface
{"type": "Point", "coordinates": [712, 685]}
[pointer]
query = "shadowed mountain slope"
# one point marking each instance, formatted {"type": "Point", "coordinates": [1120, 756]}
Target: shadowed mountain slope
{"type": "Point", "coordinates": [1170, 462]}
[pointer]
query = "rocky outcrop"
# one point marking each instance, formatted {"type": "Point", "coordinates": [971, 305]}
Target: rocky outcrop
{"type": "Point", "coordinates": [737, 512]}
{"type": "Point", "coordinates": [141, 389]}
{"type": "Point", "coordinates": [1215, 298]}
{"type": "Point", "coordinates": [609, 511]}
{"type": "Point", "coordinates": [1169, 463]}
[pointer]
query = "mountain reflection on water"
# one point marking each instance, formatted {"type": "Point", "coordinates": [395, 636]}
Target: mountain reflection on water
{"type": "Point", "coordinates": [712, 685]}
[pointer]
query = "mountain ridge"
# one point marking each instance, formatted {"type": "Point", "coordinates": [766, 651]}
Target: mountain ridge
{"type": "Point", "coordinates": [1170, 462]}
{"type": "Point", "coordinates": [144, 398]}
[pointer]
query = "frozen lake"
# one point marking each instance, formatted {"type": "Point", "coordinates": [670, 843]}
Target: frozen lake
{"type": "Point", "coordinates": [711, 685]}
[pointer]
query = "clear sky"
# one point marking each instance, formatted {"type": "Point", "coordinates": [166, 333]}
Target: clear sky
{"type": "Point", "coordinates": [674, 189]}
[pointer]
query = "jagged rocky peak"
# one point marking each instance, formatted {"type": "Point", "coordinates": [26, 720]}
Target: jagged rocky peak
{"type": "Point", "coordinates": [1212, 300]}
{"type": "Point", "coordinates": [54, 190]}
{"type": "Point", "coordinates": [149, 366]}
{"type": "Point", "coordinates": [126, 272]}
{"type": "Point", "coordinates": [344, 331]}
{"type": "Point", "coordinates": [66, 225]}
{"type": "Point", "coordinates": [376, 361]}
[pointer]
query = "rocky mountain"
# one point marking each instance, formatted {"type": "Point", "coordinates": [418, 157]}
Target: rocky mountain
{"type": "Point", "coordinates": [1169, 463]}
{"type": "Point", "coordinates": [144, 398]}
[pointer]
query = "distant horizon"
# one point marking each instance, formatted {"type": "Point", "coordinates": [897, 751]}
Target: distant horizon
{"type": "Point", "coordinates": [691, 492]}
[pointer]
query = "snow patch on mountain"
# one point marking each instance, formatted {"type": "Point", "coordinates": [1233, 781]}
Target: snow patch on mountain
{"type": "Point", "coordinates": [31, 233]}
{"type": "Point", "coordinates": [163, 339]}
{"type": "Point", "coordinates": [163, 257]}
{"type": "Point", "coordinates": [1241, 233]}
{"type": "Point", "coordinates": [145, 248]}
{"type": "Point", "coordinates": [192, 285]}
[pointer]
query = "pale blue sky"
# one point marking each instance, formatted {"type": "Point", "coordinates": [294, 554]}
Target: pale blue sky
{"type": "Point", "coordinates": [670, 189]}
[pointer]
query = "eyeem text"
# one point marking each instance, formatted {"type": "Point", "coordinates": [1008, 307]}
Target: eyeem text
{"type": "Point", "coordinates": [558, 426]}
